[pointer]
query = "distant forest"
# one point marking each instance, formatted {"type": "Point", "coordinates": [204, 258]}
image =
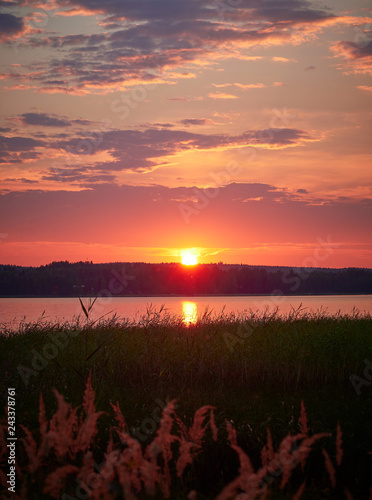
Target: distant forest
{"type": "Point", "coordinates": [64, 279]}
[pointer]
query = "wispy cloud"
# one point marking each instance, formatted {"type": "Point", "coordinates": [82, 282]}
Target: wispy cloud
{"type": "Point", "coordinates": [250, 86]}
{"type": "Point", "coordinates": [366, 88]}
{"type": "Point", "coordinates": [191, 122]}
{"type": "Point", "coordinates": [49, 120]}
{"type": "Point", "coordinates": [283, 59]}
{"type": "Point", "coordinates": [221, 95]}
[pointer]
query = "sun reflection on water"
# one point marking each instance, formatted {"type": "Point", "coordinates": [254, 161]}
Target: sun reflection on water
{"type": "Point", "coordinates": [189, 313]}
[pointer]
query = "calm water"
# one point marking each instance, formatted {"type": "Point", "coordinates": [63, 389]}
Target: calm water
{"type": "Point", "coordinates": [14, 310]}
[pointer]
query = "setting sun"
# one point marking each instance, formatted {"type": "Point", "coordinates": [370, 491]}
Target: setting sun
{"type": "Point", "coordinates": [189, 260]}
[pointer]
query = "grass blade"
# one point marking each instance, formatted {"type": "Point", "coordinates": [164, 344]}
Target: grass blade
{"type": "Point", "coordinates": [83, 307]}
{"type": "Point", "coordinates": [94, 352]}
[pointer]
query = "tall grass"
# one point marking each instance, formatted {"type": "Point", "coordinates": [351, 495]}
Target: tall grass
{"type": "Point", "coordinates": [294, 351]}
{"type": "Point", "coordinates": [65, 455]}
{"type": "Point", "coordinates": [255, 368]}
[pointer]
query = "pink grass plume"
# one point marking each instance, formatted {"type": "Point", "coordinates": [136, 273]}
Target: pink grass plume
{"type": "Point", "coordinates": [55, 481]}
{"type": "Point", "coordinates": [303, 419]}
{"type": "Point", "coordinates": [330, 469]}
{"type": "Point", "coordinates": [299, 492]}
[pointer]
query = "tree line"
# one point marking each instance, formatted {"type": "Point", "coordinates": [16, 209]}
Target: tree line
{"type": "Point", "coordinates": [65, 279]}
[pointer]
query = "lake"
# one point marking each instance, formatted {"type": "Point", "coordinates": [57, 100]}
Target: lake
{"type": "Point", "coordinates": [13, 310]}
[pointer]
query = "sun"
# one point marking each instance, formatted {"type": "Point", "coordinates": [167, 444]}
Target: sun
{"type": "Point", "coordinates": [189, 259]}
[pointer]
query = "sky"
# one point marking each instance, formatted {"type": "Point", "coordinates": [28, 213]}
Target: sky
{"type": "Point", "coordinates": [138, 130]}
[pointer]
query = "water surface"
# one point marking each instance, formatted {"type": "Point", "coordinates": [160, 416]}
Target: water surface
{"type": "Point", "coordinates": [190, 308]}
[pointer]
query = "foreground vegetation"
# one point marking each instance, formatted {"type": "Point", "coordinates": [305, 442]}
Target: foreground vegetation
{"type": "Point", "coordinates": [254, 370]}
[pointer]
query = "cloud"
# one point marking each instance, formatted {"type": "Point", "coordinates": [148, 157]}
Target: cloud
{"type": "Point", "coordinates": [23, 180]}
{"type": "Point", "coordinates": [18, 149]}
{"type": "Point", "coordinates": [221, 95]}
{"type": "Point", "coordinates": [242, 86]}
{"type": "Point", "coordinates": [250, 86]}
{"type": "Point", "coordinates": [151, 146]}
{"type": "Point", "coordinates": [184, 99]}
{"type": "Point", "coordinates": [190, 122]}
{"type": "Point", "coordinates": [146, 150]}
{"type": "Point", "coordinates": [365, 88]}
{"type": "Point", "coordinates": [221, 85]}
{"type": "Point", "coordinates": [50, 120]}
{"type": "Point", "coordinates": [147, 40]}
{"type": "Point", "coordinates": [283, 59]}
{"type": "Point", "coordinates": [84, 176]}
{"type": "Point", "coordinates": [10, 26]}
{"type": "Point", "coordinates": [290, 11]}
{"type": "Point", "coordinates": [309, 68]}
{"type": "Point", "coordinates": [44, 120]}
{"type": "Point", "coordinates": [357, 57]}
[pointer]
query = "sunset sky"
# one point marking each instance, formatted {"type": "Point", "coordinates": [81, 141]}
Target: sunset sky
{"type": "Point", "coordinates": [132, 130]}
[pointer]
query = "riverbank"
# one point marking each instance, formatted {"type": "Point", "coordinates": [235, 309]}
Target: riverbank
{"type": "Point", "coordinates": [139, 295]}
{"type": "Point", "coordinates": [255, 372]}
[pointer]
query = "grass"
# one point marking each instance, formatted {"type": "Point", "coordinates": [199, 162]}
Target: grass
{"type": "Point", "coordinates": [255, 369]}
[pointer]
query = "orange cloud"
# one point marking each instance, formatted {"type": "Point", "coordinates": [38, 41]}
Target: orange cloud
{"type": "Point", "coordinates": [283, 59]}
{"type": "Point", "coordinates": [365, 88]}
{"type": "Point", "coordinates": [77, 12]}
{"type": "Point", "coordinates": [221, 95]}
{"type": "Point", "coordinates": [357, 56]}
{"type": "Point", "coordinates": [250, 86]}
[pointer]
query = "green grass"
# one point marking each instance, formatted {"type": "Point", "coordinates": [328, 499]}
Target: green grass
{"type": "Point", "coordinates": [254, 369]}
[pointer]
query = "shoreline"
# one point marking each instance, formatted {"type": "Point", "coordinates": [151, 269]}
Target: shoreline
{"type": "Point", "coordinates": [188, 296]}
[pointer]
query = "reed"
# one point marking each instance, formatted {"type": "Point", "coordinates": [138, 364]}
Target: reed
{"type": "Point", "coordinates": [262, 349]}
{"type": "Point", "coordinates": [64, 457]}
{"type": "Point", "coordinates": [254, 368]}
